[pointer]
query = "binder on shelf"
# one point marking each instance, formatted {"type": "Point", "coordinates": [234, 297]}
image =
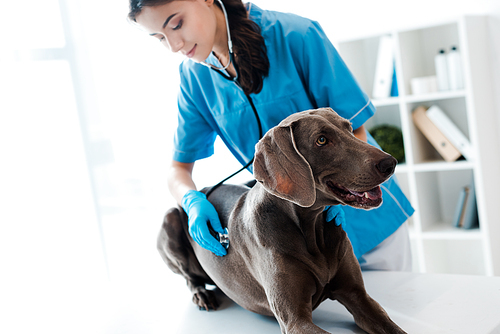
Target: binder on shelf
{"type": "Point", "coordinates": [394, 84]}
{"type": "Point", "coordinates": [466, 212]}
{"type": "Point", "coordinates": [458, 218]}
{"type": "Point", "coordinates": [434, 135]}
{"type": "Point", "coordinates": [470, 219]}
{"type": "Point", "coordinates": [451, 131]}
{"type": "Point", "coordinates": [384, 69]}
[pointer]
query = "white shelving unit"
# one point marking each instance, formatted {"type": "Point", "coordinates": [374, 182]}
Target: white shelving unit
{"type": "Point", "coordinates": [431, 184]}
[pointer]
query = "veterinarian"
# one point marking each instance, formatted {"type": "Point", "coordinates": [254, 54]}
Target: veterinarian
{"type": "Point", "coordinates": [246, 70]}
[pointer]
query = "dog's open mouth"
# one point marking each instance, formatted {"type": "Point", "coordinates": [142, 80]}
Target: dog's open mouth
{"type": "Point", "coordinates": [370, 198]}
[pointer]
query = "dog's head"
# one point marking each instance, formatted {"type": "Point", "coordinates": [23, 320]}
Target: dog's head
{"type": "Point", "coordinates": [313, 157]}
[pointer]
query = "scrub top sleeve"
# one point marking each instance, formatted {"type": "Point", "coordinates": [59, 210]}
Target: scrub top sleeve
{"type": "Point", "coordinates": [194, 138]}
{"type": "Point", "coordinates": [329, 81]}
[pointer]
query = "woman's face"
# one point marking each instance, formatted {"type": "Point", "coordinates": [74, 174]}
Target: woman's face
{"type": "Point", "coordinates": [185, 26]}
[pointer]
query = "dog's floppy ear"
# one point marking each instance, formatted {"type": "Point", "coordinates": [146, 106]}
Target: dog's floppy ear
{"type": "Point", "coordinates": [281, 169]}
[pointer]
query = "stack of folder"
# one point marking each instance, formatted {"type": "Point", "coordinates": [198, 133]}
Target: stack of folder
{"type": "Point", "coordinates": [442, 133]}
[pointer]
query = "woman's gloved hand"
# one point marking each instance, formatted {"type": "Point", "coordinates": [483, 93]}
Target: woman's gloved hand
{"type": "Point", "coordinates": [201, 212]}
{"type": "Point", "coordinates": [335, 212]}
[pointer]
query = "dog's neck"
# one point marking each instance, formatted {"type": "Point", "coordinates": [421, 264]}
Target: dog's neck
{"type": "Point", "coordinates": [310, 220]}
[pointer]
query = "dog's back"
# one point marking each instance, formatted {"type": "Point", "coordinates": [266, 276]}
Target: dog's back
{"type": "Point", "coordinates": [224, 204]}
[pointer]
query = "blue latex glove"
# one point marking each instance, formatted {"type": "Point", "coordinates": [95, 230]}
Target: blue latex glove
{"type": "Point", "coordinates": [200, 211]}
{"type": "Point", "coordinates": [335, 212]}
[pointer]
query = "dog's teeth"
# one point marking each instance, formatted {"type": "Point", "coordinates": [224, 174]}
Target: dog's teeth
{"type": "Point", "coordinates": [366, 195]}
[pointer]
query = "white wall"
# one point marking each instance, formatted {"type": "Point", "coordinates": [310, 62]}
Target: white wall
{"type": "Point", "coordinates": [495, 53]}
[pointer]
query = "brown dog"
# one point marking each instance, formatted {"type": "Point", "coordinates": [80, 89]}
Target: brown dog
{"type": "Point", "coordinates": [284, 258]}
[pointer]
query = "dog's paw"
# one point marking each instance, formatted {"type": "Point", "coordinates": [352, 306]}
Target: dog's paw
{"type": "Point", "coordinates": [206, 300]}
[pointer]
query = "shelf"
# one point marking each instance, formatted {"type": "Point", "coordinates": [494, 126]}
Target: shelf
{"type": "Point", "coordinates": [435, 96]}
{"type": "Point", "coordinates": [433, 185]}
{"type": "Point", "coordinates": [436, 166]}
{"type": "Point", "coordinates": [445, 231]}
{"type": "Point", "coordinates": [390, 101]}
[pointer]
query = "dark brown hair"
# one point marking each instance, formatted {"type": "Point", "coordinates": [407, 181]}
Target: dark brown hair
{"type": "Point", "coordinates": [248, 43]}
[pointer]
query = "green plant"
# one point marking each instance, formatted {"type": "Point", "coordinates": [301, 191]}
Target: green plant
{"type": "Point", "coordinates": [390, 139]}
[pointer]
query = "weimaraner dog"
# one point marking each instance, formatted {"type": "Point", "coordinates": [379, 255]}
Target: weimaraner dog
{"type": "Point", "coordinates": [284, 258]}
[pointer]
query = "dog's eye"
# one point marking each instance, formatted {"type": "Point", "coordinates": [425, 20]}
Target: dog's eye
{"type": "Point", "coordinates": [321, 141]}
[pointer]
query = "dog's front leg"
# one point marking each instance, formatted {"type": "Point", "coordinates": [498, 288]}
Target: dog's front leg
{"type": "Point", "coordinates": [348, 288]}
{"type": "Point", "coordinates": [289, 295]}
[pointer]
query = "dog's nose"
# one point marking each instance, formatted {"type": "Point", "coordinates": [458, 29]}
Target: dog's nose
{"type": "Point", "coordinates": [386, 166]}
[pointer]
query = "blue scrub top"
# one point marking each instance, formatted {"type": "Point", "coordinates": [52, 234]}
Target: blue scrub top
{"type": "Point", "coordinates": [306, 72]}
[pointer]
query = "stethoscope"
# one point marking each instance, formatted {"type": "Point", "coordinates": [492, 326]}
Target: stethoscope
{"type": "Point", "coordinates": [235, 80]}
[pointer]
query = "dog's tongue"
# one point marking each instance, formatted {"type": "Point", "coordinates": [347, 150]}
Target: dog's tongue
{"type": "Point", "coordinates": [373, 194]}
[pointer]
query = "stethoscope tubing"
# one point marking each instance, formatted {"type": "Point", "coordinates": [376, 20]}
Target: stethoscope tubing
{"type": "Point", "coordinates": [236, 81]}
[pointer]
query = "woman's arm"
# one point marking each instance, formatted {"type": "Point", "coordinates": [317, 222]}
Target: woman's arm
{"type": "Point", "coordinates": [360, 133]}
{"type": "Point", "coordinates": [180, 179]}
{"type": "Point", "coordinates": [199, 210]}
